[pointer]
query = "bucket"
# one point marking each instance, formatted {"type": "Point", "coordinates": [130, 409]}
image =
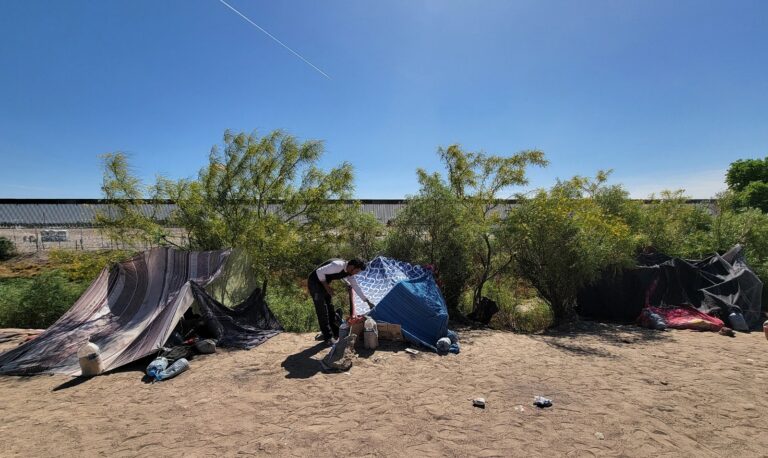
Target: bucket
{"type": "Point", "coordinates": [89, 356]}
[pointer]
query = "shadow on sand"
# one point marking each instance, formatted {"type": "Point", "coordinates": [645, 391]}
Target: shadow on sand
{"type": "Point", "coordinates": [571, 337]}
{"type": "Point", "coordinates": [302, 365]}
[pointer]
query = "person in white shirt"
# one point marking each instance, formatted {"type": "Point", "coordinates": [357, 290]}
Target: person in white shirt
{"type": "Point", "coordinates": [322, 294]}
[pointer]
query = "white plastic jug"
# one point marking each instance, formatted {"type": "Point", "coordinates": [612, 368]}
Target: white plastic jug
{"type": "Point", "coordinates": [371, 334]}
{"type": "Point", "coordinates": [89, 356]}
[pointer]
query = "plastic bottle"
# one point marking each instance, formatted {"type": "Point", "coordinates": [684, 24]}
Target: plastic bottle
{"type": "Point", "coordinates": [765, 329]}
{"type": "Point", "coordinates": [343, 330]}
{"type": "Point", "coordinates": [443, 344]}
{"type": "Point", "coordinates": [371, 334]}
{"type": "Point", "coordinates": [175, 369]}
{"type": "Point", "coordinates": [157, 366]}
{"type": "Point", "coordinates": [658, 321]}
{"type": "Point", "coordinates": [89, 356]}
{"type": "Point", "coordinates": [737, 322]}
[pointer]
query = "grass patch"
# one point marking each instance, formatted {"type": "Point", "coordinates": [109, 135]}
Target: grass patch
{"type": "Point", "coordinates": [520, 308]}
{"type": "Point", "coordinates": [292, 307]}
{"type": "Point", "coordinates": [39, 301]}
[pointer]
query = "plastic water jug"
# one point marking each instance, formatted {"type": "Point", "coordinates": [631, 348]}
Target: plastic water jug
{"type": "Point", "coordinates": [371, 334]}
{"type": "Point", "coordinates": [737, 322]}
{"type": "Point", "coordinates": [157, 366]}
{"type": "Point", "coordinates": [89, 356]}
{"type": "Point", "coordinates": [175, 369]}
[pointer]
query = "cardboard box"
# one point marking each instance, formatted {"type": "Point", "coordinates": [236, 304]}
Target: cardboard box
{"type": "Point", "coordinates": [387, 331]}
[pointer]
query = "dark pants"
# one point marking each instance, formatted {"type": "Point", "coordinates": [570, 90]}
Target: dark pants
{"type": "Point", "coordinates": [326, 316]}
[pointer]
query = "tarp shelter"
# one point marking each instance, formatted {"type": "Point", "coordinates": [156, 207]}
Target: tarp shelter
{"type": "Point", "coordinates": [132, 308]}
{"type": "Point", "coordinates": [717, 285]}
{"type": "Point", "coordinates": [407, 295]}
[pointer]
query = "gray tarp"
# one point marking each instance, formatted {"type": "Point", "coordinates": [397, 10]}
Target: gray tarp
{"type": "Point", "coordinates": [129, 311]}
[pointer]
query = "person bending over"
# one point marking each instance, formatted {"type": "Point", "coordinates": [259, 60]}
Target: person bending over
{"type": "Point", "coordinates": [320, 290]}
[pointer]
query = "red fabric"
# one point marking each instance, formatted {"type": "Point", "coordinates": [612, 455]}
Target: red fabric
{"type": "Point", "coordinates": [687, 317]}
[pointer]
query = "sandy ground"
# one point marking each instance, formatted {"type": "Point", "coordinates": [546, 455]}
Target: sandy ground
{"type": "Point", "coordinates": [616, 391]}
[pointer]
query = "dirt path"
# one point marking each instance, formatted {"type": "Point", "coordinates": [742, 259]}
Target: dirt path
{"type": "Point", "coordinates": [616, 391]}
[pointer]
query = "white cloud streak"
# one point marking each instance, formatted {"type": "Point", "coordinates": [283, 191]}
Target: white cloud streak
{"type": "Point", "coordinates": [274, 38]}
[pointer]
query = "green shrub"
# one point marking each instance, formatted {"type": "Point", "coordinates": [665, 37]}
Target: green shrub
{"type": "Point", "coordinates": [7, 248]}
{"type": "Point", "coordinates": [293, 308]}
{"type": "Point", "coordinates": [86, 265]}
{"type": "Point", "coordinates": [520, 309]}
{"type": "Point", "coordinates": [37, 302]}
{"type": "Point", "coordinates": [562, 241]}
{"type": "Point", "coordinates": [674, 227]}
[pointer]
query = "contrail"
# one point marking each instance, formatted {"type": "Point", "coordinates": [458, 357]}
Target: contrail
{"type": "Point", "coordinates": [273, 37]}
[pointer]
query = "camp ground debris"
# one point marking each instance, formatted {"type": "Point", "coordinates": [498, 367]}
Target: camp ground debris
{"type": "Point", "coordinates": [720, 285]}
{"type": "Point", "coordinates": [132, 309]}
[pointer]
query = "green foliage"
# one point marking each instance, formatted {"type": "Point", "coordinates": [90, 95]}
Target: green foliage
{"type": "Point", "coordinates": [37, 302]}
{"type": "Point", "coordinates": [748, 180]}
{"type": "Point", "coordinates": [674, 227]}
{"type": "Point", "coordinates": [263, 194]}
{"type": "Point", "coordinates": [754, 195]}
{"type": "Point", "coordinates": [431, 229]}
{"type": "Point", "coordinates": [520, 308]}
{"type": "Point", "coordinates": [477, 179]}
{"type": "Point", "coordinates": [748, 227]}
{"type": "Point", "coordinates": [292, 307]}
{"type": "Point", "coordinates": [361, 236]}
{"type": "Point", "coordinates": [745, 171]}
{"type": "Point", "coordinates": [453, 223]}
{"type": "Point", "coordinates": [562, 239]}
{"type": "Point", "coordinates": [7, 249]}
{"type": "Point", "coordinates": [84, 266]}
{"type": "Point", "coordinates": [124, 221]}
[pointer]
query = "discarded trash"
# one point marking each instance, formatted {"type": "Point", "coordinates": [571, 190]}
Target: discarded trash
{"type": "Point", "coordinates": [600, 436]}
{"type": "Point", "coordinates": [443, 344]}
{"type": "Point", "coordinates": [412, 351]}
{"type": "Point", "coordinates": [479, 402]}
{"type": "Point", "coordinates": [519, 408]}
{"type": "Point", "coordinates": [738, 323]}
{"type": "Point", "coordinates": [206, 346]}
{"type": "Point", "coordinates": [173, 370]}
{"type": "Point", "coordinates": [89, 356]}
{"type": "Point", "coordinates": [765, 329]}
{"type": "Point", "coordinates": [339, 359]}
{"type": "Point", "coordinates": [157, 366]}
{"type": "Point", "coordinates": [726, 331]}
{"type": "Point", "coordinates": [651, 320]}
{"type": "Point", "coordinates": [540, 401]}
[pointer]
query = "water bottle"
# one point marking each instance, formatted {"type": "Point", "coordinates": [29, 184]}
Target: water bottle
{"type": "Point", "coordinates": [89, 356]}
{"type": "Point", "coordinates": [443, 344]}
{"type": "Point", "coordinates": [658, 321]}
{"type": "Point", "coordinates": [765, 329]}
{"type": "Point", "coordinates": [343, 330]}
{"type": "Point", "coordinates": [175, 369]}
{"type": "Point", "coordinates": [157, 366]}
{"type": "Point", "coordinates": [737, 322]}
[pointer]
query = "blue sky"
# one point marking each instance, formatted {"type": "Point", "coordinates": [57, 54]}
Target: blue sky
{"type": "Point", "coordinates": [665, 93]}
